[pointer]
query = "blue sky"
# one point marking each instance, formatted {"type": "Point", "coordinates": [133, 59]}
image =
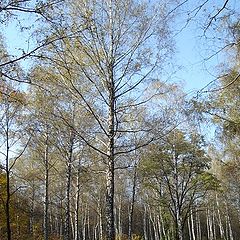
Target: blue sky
{"type": "Point", "coordinates": [192, 49]}
{"type": "Point", "coordinates": [189, 54]}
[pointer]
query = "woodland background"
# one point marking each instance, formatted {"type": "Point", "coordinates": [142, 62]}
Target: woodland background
{"type": "Point", "coordinates": [96, 139]}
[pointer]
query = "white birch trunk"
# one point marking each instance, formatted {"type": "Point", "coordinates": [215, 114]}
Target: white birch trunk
{"type": "Point", "coordinates": [229, 223]}
{"type": "Point", "coordinates": [162, 222]}
{"type": "Point", "coordinates": [210, 226]}
{"type": "Point", "coordinates": [214, 225]}
{"type": "Point", "coordinates": [221, 229]}
{"type": "Point", "coordinates": [84, 223]}
{"type": "Point", "coordinates": [192, 225]}
{"type": "Point", "coordinates": [77, 202]}
{"type": "Point", "coordinates": [207, 218]}
{"type": "Point", "coordinates": [199, 230]}
{"type": "Point", "coordinates": [120, 217]}
{"type": "Point", "coordinates": [130, 220]}
{"type": "Point", "coordinates": [159, 225]}
{"type": "Point", "coordinates": [145, 224]}
{"type": "Point", "coordinates": [46, 197]}
{"type": "Point", "coordinates": [189, 229]}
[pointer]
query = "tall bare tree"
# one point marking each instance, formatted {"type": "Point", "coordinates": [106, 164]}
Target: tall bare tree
{"type": "Point", "coordinates": [114, 51]}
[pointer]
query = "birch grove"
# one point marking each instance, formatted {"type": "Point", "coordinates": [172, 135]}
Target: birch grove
{"type": "Point", "coordinates": [98, 141]}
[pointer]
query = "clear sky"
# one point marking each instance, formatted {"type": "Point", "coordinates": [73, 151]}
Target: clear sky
{"type": "Point", "coordinates": [194, 72]}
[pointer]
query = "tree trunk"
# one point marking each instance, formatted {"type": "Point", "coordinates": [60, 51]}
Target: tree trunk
{"type": "Point", "coordinates": [229, 226]}
{"type": "Point", "coordinates": [68, 235]}
{"type": "Point", "coordinates": [84, 223]}
{"type": "Point", "coordinates": [115, 221]}
{"type": "Point", "coordinates": [221, 229]}
{"type": "Point", "coordinates": [77, 203]}
{"type": "Point", "coordinates": [209, 225]}
{"type": "Point", "coordinates": [8, 220]}
{"type": "Point", "coordinates": [8, 193]}
{"type": "Point", "coordinates": [88, 224]}
{"type": "Point", "coordinates": [179, 228]}
{"type": "Point", "coordinates": [192, 225]}
{"type": "Point", "coordinates": [31, 220]}
{"type": "Point", "coordinates": [120, 217]}
{"type": "Point", "coordinates": [130, 220]}
{"type": "Point", "coordinates": [159, 227]}
{"type": "Point", "coordinates": [207, 221]}
{"type": "Point", "coordinates": [199, 230]}
{"type": "Point", "coordinates": [151, 226]}
{"type": "Point", "coordinates": [145, 223]}
{"type": "Point", "coordinates": [46, 197]}
{"type": "Point", "coordinates": [155, 227]}
{"type": "Point", "coordinates": [100, 221]}
{"type": "Point", "coordinates": [214, 225]}
{"type": "Point", "coordinates": [189, 229]}
{"type": "Point", "coordinates": [162, 229]}
{"type": "Point", "coordinates": [110, 230]}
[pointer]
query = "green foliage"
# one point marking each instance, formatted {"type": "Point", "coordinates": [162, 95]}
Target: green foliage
{"type": "Point", "coordinates": [176, 173]}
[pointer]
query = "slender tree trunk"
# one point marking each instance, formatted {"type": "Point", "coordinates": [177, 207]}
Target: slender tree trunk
{"type": "Point", "coordinates": [51, 219]}
{"type": "Point", "coordinates": [8, 220]}
{"type": "Point", "coordinates": [199, 230]}
{"type": "Point", "coordinates": [60, 218]}
{"type": "Point", "coordinates": [172, 233]}
{"type": "Point", "coordinates": [214, 225]}
{"type": "Point", "coordinates": [100, 221]}
{"type": "Point", "coordinates": [117, 214]}
{"type": "Point", "coordinates": [115, 222]}
{"type": "Point", "coordinates": [210, 229]}
{"type": "Point", "coordinates": [72, 221]}
{"type": "Point", "coordinates": [221, 229]}
{"type": "Point", "coordinates": [68, 228]}
{"type": "Point", "coordinates": [150, 225]}
{"type": "Point", "coordinates": [162, 222]}
{"type": "Point", "coordinates": [207, 218]}
{"type": "Point", "coordinates": [155, 227]}
{"type": "Point", "coordinates": [8, 193]}
{"type": "Point", "coordinates": [46, 201]}
{"type": "Point", "coordinates": [159, 226]}
{"type": "Point", "coordinates": [31, 220]}
{"type": "Point", "coordinates": [179, 228]}
{"type": "Point", "coordinates": [229, 223]}
{"type": "Point", "coordinates": [84, 231]}
{"type": "Point", "coordinates": [110, 230]}
{"type": "Point", "coordinates": [226, 227]}
{"type": "Point", "coordinates": [95, 231]}
{"type": "Point", "coordinates": [77, 205]}
{"type": "Point", "coordinates": [84, 228]}
{"type": "Point", "coordinates": [145, 223]}
{"type": "Point", "coordinates": [189, 229]}
{"type": "Point", "coordinates": [192, 225]}
{"type": "Point", "coordinates": [120, 217]}
{"type": "Point", "coordinates": [130, 220]}
{"type": "Point", "coordinates": [88, 224]}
